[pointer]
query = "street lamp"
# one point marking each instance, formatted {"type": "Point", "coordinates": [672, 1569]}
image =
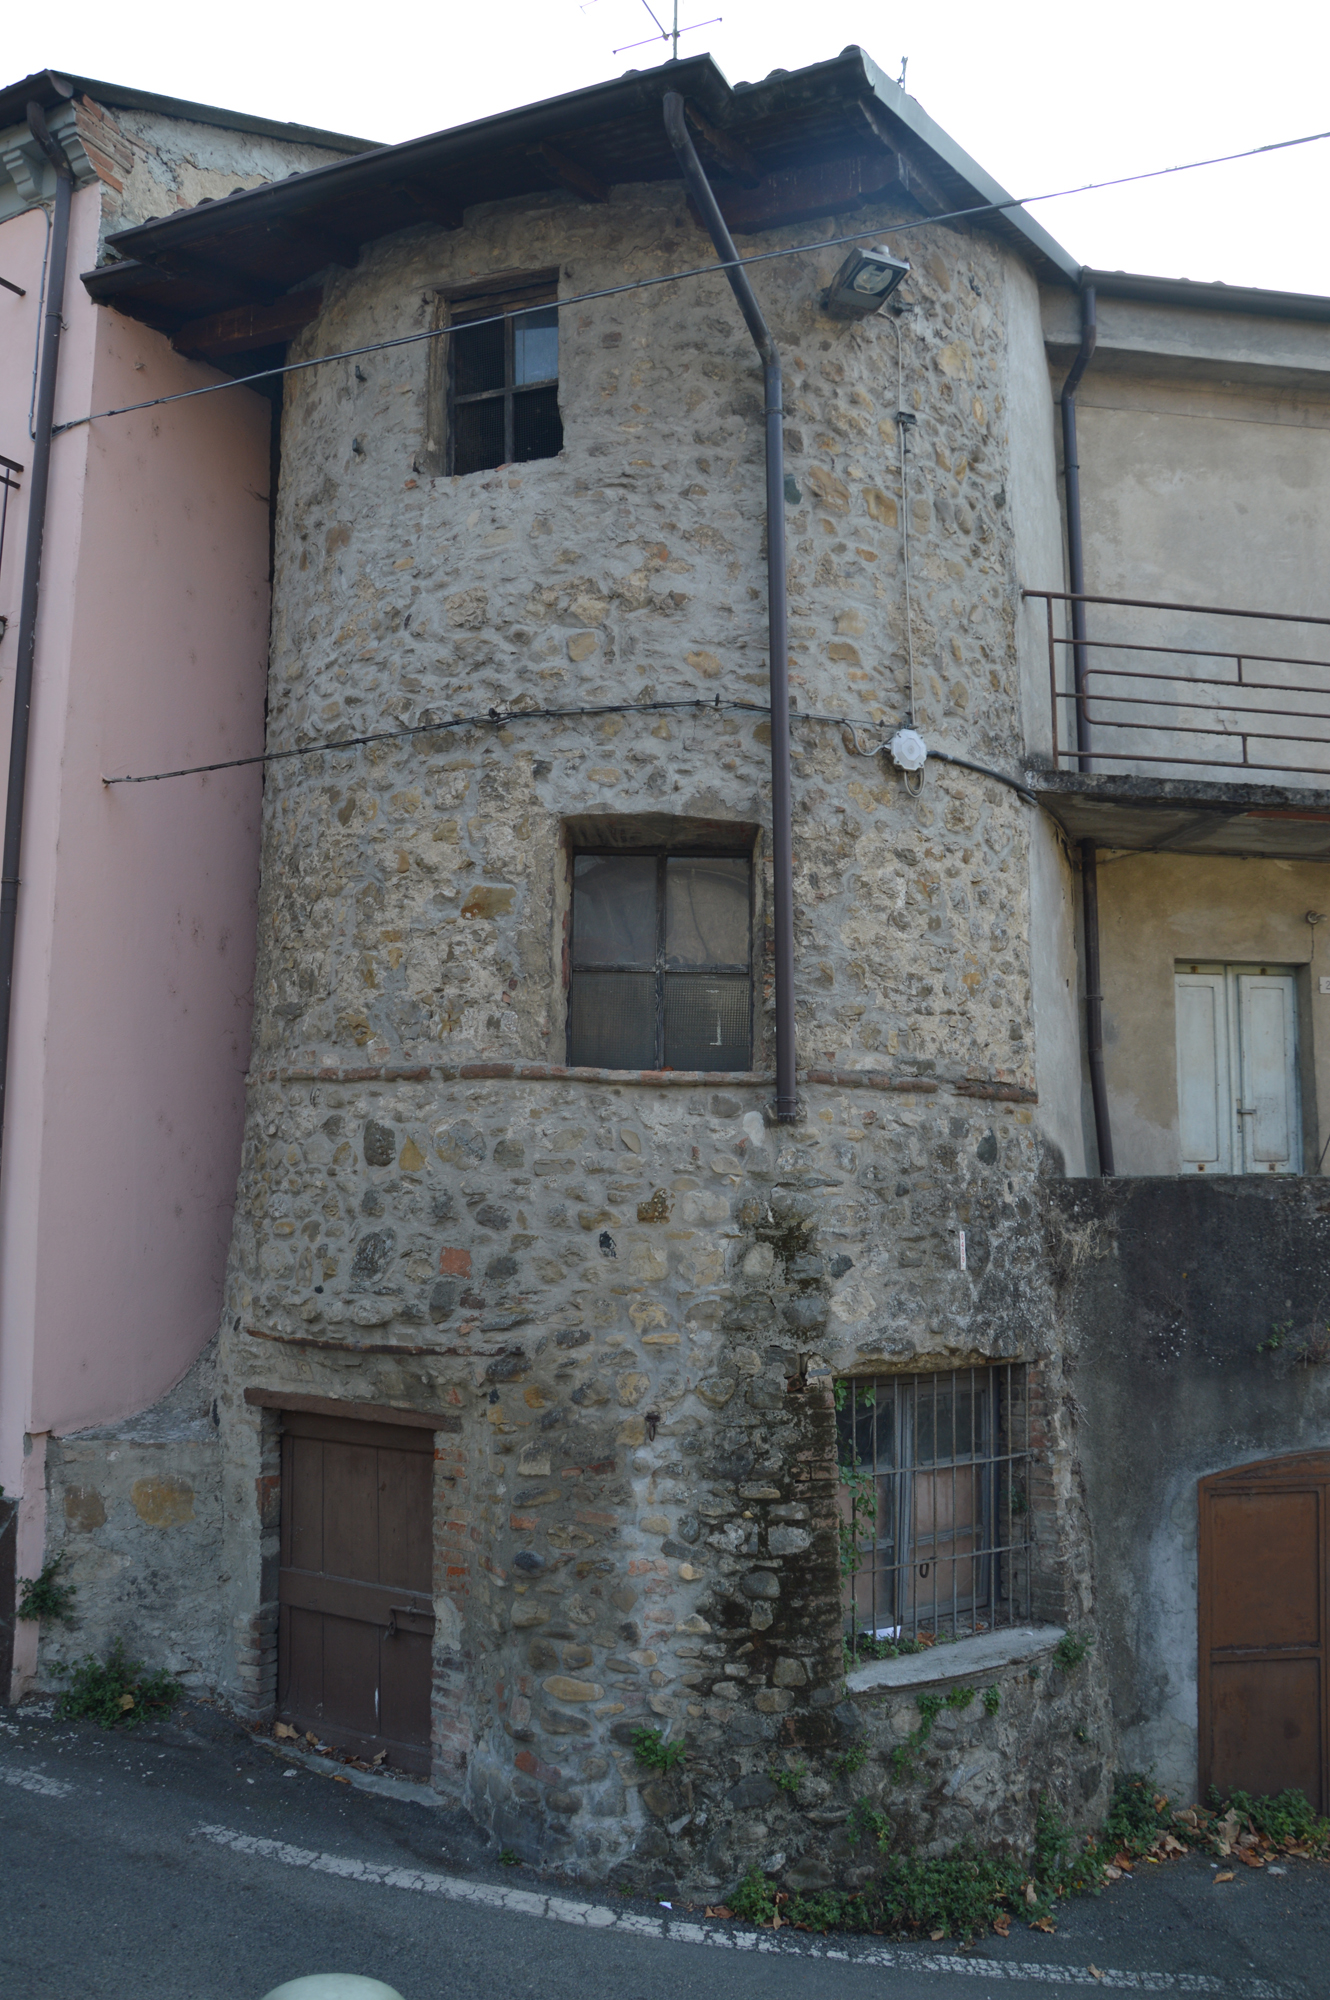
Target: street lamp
{"type": "Point", "coordinates": [864, 283]}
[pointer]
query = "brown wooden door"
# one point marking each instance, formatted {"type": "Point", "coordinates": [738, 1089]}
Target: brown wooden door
{"type": "Point", "coordinates": [357, 1611]}
{"type": "Point", "coordinates": [1264, 1638]}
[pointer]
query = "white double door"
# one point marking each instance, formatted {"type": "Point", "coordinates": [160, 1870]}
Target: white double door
{"type": "Point", "coordinates": [1238, 1088]}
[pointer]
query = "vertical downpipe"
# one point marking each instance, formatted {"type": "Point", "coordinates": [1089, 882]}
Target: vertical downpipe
{"type": "Point", "coordinates": [1094, 998]}
{"type": "Point", "coordinates": [782, 830]}
{"type": "Point", "coordinates": [32, 565]}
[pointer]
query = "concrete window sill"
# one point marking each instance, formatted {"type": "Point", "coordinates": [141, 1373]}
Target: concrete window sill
{"type": "Point", "coordinates": [943, 1664]}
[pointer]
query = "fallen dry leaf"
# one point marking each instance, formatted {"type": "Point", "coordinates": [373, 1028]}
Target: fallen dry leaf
{"type": "Point", "coordinates": [1094, 1972]}
{"type": "Point", "coordinates": [1126, 1862]}
{"type": "Point", "coordinates": [339, 1780]}
{"type": "Point", "coordinates": [718, 1910]}
{"type": "Point", "coordinates": [936, 1936]}
{"type": "Point", "coordinates": [1252, 1860]}
{"type": "Point", "coordinates": [126, 1702]}
{"type": "Point", "coordinates": [1112, 1874]}
{"type": "Point", "coordinates": [284, 1730]}
{"type": "Point", "coordinates": [1002, 1925]}
{"type": "Point", "coordinates": [1224, 1875]}
{"type": "Point", "coordinates": [1043, 1924]}
{"type": "Point", "coordinates": [1031, 1895]}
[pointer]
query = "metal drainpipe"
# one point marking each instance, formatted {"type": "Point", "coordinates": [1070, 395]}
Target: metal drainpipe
{"type": "Point", "coordinates": [782, 835]}
{"type": "Point", "coordinates": [1094, 999]}
{"type": "Point", "coordinates": [32, 563]}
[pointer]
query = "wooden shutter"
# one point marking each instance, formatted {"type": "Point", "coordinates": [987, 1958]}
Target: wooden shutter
{"type": "Point", "coordinates": [1205, 1122]}
{"type": "Point", "coordinates": [1268, 1114]}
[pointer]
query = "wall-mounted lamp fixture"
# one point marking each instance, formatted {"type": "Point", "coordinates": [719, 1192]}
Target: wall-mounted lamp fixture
{"type": "Point", "coordinates": [864, 283]}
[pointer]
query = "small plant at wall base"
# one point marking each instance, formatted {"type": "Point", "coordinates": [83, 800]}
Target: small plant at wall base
{"type": "Point", "coordinates": [791, 1779]}
{"type": "Point", "coordinates": [46, 1596]}
{"type": "Point", "coordinates": [117, 1691]}
{"type": "Point", "coordinates": [930, 1706]}
{"type": "Point", "coordinates": [1071, 1650]}
{"type": "Point", "coordinates": [755, 1898]}
{"type": "Point", "coordinates": [651, 1750]}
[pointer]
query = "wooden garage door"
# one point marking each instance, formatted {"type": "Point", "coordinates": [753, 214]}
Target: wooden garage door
{"type": "Point", "coordinates": [357, 1613]}
{"type": "Point", "coordinates": [1263, 1618]}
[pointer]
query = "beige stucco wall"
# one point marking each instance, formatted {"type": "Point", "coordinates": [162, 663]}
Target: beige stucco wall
{"type": "Point", "coordinates": [1157, 909]}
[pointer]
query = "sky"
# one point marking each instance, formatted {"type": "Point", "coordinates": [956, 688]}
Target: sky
{"type": "Point", "coordinates": [1043, 96]}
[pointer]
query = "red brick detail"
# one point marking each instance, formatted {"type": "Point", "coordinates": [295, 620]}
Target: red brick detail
{"type": "Point", "coordinates": [455, 1263]}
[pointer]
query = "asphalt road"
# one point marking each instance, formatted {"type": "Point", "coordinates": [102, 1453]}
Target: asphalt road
{"type": "Point", "coordinates": [192, 1864]}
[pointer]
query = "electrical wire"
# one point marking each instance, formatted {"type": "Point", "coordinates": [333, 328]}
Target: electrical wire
{"type": "Point", "coordinates": [695, 271]}
{"type": "Point", "coordinates": [904, 424]}
{"type": "Point", "coordinates": [432, 725]}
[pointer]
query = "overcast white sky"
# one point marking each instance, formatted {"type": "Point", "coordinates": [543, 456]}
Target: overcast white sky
{"type": "Point", "coordinates": [1043, 95]}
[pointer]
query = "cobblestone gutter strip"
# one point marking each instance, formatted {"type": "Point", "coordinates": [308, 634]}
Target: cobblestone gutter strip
{"type": "Point", "coordinates": [674, 1930]}
{"type": "Point", "coordinates": [715, 1079]}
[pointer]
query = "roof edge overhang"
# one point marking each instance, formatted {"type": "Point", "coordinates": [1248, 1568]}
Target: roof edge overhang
{"type": "Point", "coordinates": [607, 135]}
{"type": "Point", "coordinates": [50, 88]}
{"type": "Point", "coordinates": [1206, 296]}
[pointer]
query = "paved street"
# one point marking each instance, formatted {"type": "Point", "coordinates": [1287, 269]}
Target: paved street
{"type": "Point", "coordinates": [192, 1864]}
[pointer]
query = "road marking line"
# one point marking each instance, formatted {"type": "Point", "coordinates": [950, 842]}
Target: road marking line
{"type": "Point", "coordinates": [34, 1781]}
{"type": "Point", "coordinates": [673, 1930]}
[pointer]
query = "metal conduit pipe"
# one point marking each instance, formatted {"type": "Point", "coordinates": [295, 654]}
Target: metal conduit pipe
{"type": "Point", "coordinates": [782, 832]}
{"type": "Point", "coordinates": [38, 481]}
{"type": "Point", "coordinates": [1094, 998]}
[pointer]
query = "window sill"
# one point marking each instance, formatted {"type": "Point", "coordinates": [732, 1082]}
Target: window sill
{"type": "Point", "coordinates": [941, 1664]}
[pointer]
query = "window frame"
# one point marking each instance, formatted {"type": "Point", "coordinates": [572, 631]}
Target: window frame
{"type": "Point", "coordinates": [662, 855]}
{"type": "Point", "coordinates": [881, 1600]}
{"type": "Point", "coordinates": [464, 309]}
{"type": "Point", "coordinates": [500, 292]}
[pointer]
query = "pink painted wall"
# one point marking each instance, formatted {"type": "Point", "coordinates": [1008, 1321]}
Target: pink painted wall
{"type": "Point", "coordinates": [136, 940]}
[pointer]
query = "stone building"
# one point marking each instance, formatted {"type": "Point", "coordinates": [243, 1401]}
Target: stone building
{"type": "Point", "coordinates": [565, 1389]}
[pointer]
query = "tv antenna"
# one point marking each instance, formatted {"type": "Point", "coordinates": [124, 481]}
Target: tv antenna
{"type": "Point", "coordinates": [670, 34]}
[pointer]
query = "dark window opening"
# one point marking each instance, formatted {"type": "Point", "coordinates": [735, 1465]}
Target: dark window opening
{"type": "Point", "coordinates": [503, 384]}
{"type": "Point", "coordinates": [934, 1505]}
{"type": "Point", "coordinates": [661, 962]}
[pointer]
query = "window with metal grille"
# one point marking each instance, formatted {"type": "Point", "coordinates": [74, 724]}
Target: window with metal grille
{"type": "Point", "coordinates": [661, 973]}
{"type": "Point", "coordinates": [934, 1503]}
{"type": "Point", "coordinates": [503, 378]}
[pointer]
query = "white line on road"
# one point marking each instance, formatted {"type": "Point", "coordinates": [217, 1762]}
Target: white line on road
{"type": "Point", "coordinates": [34, 1781]}
{"type": "Point", "coordinates": [673, 1930]}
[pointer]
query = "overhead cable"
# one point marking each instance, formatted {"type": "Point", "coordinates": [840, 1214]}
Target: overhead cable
{"type": "Point", "coordinates": [498, 718]}
{"type": "Point", "coordinates": [695, 271]}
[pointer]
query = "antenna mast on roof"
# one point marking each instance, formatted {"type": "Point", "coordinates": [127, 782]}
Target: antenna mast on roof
{"type": "Point", "coordinates": [670, 34]}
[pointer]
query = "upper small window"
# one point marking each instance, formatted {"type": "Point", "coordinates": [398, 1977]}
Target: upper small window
{"type": "Point", "coordinates": [503, 381]}
{"type": "Point", "coordinates": [661, 962]}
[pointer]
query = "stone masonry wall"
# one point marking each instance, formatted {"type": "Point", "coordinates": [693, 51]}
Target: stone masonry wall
{"type": "Point", "coordinates": [625, 1291]}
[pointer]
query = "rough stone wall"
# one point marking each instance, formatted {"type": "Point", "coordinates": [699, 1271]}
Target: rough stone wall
{"type": "Point", "coordinates": [150, 164]}
{"type": "Point", "coordinates": [623, 1287]}
{"type": "Point", "coordinates": [135, 1511]}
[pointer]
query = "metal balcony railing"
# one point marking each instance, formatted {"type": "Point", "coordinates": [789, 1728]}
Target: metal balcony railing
{"type": "Point", "coordinates": [1192, 696]}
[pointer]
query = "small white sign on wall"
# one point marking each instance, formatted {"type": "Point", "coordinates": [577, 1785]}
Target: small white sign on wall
{"type": "Point", "coordinates": [1324, 982]}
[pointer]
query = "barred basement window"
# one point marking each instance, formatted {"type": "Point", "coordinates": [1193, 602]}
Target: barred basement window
{"type": "Point", "coordinates": [503, 377]}
{"type": "Point", "coordinates": [934, 1503]}
{"type": "Point", "coordinates": [661, 974]}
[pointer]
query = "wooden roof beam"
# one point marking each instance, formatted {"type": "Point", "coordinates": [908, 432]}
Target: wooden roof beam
{"type": "Point", "coordinates": [580, 179]}
{"type": "Point", "coordinates": [724, 150]}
